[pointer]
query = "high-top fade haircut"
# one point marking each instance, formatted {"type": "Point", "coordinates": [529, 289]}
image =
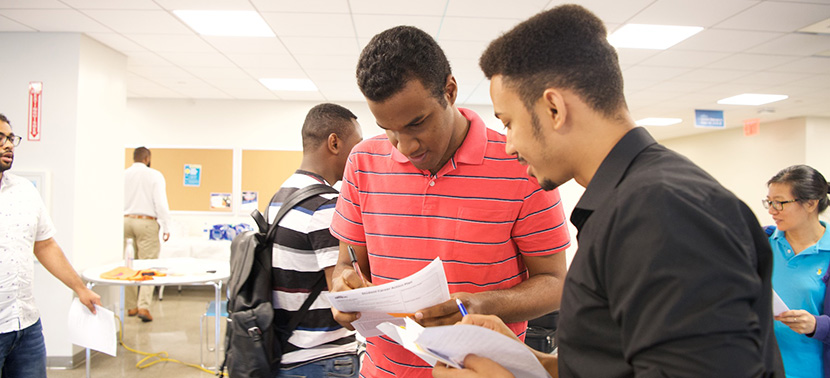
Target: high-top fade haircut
{"type": "Point", "coordinates": [323, 120]}
{"type": "Point", "coordinates": [564, 47]}
{"type": "Point", "coordinates": [398, 55]}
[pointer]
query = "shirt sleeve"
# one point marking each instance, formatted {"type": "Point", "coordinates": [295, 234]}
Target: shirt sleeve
{"type": "Point", "coordinates": [541, 227]}
{"type": "Point", "coordinates": [347, 222]}
{"type": "Point", "coordinates": [45, 227]}
{"type": "Point", "coordinates": [160, 203]}
{"type": "Point", "coordinates": [682, 283]}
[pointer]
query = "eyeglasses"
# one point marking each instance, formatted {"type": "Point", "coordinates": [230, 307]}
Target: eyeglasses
{"type": "Point", "coordinates": [12, 138]}
{"type": "Point", "coordinates": [777, 205]}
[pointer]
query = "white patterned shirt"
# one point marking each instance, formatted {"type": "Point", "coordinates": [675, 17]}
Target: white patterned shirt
{"type": "Point", "coordinates": [23, 221]}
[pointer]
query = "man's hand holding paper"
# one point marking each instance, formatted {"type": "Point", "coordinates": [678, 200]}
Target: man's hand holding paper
{"type": "Point", "coordinates": [348, 280]}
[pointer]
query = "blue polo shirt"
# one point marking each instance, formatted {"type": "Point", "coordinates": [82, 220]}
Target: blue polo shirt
{"type": "Point", "coordinates": [798, 281]}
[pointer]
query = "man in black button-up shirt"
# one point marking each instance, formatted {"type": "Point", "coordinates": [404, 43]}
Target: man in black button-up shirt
{"type": "Point", "coordinates": [672, 275]}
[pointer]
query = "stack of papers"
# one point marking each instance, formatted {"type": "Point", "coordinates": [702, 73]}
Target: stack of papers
{"type": "Point", "coordinates": [451, 344]}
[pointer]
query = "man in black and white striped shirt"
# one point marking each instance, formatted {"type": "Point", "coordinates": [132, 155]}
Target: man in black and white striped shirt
{"type": "Point", "coordinates": [304, 249]}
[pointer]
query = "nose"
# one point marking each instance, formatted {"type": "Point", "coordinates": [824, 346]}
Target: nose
{"type": "Point", "coordinates": [406, 145]}
{"type": "Point", "coordinates": [772, 210]}
{"type": "Point", "coordinates": [508, 146]}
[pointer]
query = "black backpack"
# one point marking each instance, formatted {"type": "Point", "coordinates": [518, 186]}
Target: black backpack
{"type": "Point", "coordinates": [253, 343]}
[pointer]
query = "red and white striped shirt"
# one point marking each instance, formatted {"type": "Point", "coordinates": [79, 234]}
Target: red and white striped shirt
{"type": "Point", "coordinates": [478, 214]}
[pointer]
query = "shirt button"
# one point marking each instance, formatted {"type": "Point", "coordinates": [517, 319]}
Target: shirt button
{"type": "Point", "coordinates": [432, 183]}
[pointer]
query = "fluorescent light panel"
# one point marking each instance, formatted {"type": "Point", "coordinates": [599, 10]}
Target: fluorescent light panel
{"type": "Point", "coordinates": [651, 121]}
{"type": "Point", "coordinates": [657, 37]}
{"type": "Point", "coordinates": [225, 23]}
{"type": "Point", "coordinates": [752, 99]}
{"type": "Point", "coordinates": [293, 85]}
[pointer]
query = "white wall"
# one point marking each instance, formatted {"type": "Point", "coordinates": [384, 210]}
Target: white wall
{"type": "Point", "coordinates": [82, 83]}
{"type": "Point", "coordinates": [744, 164]}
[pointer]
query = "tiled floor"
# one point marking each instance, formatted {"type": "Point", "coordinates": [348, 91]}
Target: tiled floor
{"type": "Point", "coordinates": [174, 329]}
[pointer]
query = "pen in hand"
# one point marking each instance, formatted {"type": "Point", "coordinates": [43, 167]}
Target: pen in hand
{"type": "Point", "coordinates": [356, 266]}
{"type": "Point", "coordinates": [461, 307]}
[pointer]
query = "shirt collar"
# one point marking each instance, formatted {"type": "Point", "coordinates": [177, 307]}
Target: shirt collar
{"type": "Point", "coordinates": [610, 173]}
{"type": "Point", "coordinates": [472, 148]}
{"type": "Point", "coordinates": [312, 175]}
{"type": "Point", "coordinates": [823, 244]}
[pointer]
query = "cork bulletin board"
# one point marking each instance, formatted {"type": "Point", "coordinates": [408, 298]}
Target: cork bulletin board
{"type": "Point", "coordinates": [263, 171]}
{"type": "Point", "coordinates": [216, 175]}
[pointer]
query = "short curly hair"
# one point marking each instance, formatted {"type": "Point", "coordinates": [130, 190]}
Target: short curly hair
{"type": "Point", "coordinates": [564, 47]}
{"type": "Point", "coordinates": [397, 55]}
{"type": "Point", "coordinates": [323, 120]}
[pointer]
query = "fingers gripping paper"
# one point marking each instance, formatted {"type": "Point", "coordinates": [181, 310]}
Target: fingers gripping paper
{"type": "Point", "coordinates": [425, 288]}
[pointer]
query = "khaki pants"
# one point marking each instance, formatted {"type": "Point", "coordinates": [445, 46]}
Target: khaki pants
{"type": "Point", "coordinates": [145, 233]}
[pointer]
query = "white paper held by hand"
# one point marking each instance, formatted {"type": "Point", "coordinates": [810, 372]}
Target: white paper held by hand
{"type": "Point", "coordinates": [93, 331]}
{"type": "Point", "coordinates": [778, 305]}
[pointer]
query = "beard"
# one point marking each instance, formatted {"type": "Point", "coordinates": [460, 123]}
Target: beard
{"type": "Point", "coordinates": [548, 185]}
{"type": "Point", "coordinates": [5, 167]}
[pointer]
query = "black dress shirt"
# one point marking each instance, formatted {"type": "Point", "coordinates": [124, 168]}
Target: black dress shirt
{"type": "Point", "coordinates": [672, 275]}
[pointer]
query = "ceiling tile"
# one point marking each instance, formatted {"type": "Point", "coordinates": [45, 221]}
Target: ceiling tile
{"type": "Point", "coordinates": [197, 59]}
{"type": "Point", "coordinates": [223, 73]}
{"type": "Point", "coordinates": [495, 8]}
{"type": "Point", "coordinates": [330, 62]}
{"type": "Point", "coordinates": [751, 62]}
{"type": "Point", "coordinates": [820, 81]}
{"type": "Point", "coordinates": [171, 43]}
{"type": "Point", "coordinates": [111, 4]}
{"type": "Point", "coordinates": [320, 46]}
{"type": "Point", "coordinates": [653, 73]}
{"type": "Point", "coordinates": [32, 4]}
{"type": "Point", "coordinates": [61, 20]}
{"type": "Point", "coordinates": [725, 40]}
{"type": "Point", "coordinates": [300, 96]}
{"type": "Point", "coordinates": [117, 42]}
{"type": "Point", "coordinates": [341, 74]}
{"type": "Point", "coordinates": [794, 44]}
{"type": "Point", "coordinates": [677, 86]}
{"type": "Point", "coordinates": [204, 4]}
{"type": "Point", "coordinates": [140, 21]}
{"type": "Point", "coordinates": [777, 16]}
{"type": "Point", "coordinates": [251, 93]}
{"type": "Point", "coordinates": [820, 65]}
{"type": "Point", "coordinates": [8, 25]}
{"type": "Point", "coordinates": [458, 50]}
{"type": "Point", "coordinates": [161, 72]}
{"type": "Point", "coordinates": [672, 58]}
{"type": "Point", "coordinates": [275, 61]}
{"type": "Point", "coordinates": [703, 13]}
{"type": "Point", "coordinates": [367, 25]}
{"type": "Point", "coordinates": [712, 75]}
{"type": "Point", "coordinates": [339, 90]}
{"type": "Point", "coordinates": [310, 24]}
{"type": "Point", "coordinates": [305, 6]}
{"type": "Point", "coordinates": [282, 73]}
{"type": "Point", "coordinates": [146, 59]}
{"type": "Point", "coordinates": [478, 95]}
{"type": "Point", "coordinates": [635, 56]}
{"type": "Point", "coordinates": [420, 8]}
{"type": "Point", "coordinates": [771, 78]}
{"type": "Point", "coordinates": [224, 84]}
{"type": "Point", "coordinates": [474, 29]}
{"type": "Point", "coordinates": [247, 45]}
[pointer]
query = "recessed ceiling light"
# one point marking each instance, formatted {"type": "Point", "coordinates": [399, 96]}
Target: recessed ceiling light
{"type": "Point", "coordinates": [294, 85]}
{"type": "Point", "coordinates": [225, 23]}
{"type": "Point", "coordinates": [752, 99]}
{"type": "Point", "coordinates": [659, 37]}
{"type": "Point", "coordinates": [651, 121]}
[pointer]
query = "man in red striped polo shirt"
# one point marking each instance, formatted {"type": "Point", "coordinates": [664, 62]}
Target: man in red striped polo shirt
{"type": "Point", "coordinates": [439, 184]}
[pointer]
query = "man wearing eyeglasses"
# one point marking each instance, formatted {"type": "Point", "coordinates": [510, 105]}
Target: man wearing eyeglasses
{"type": "Point", "coordinates": [26, 232]}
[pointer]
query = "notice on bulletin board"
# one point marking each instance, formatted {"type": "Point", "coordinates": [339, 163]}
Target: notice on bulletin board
{"type": "Point", "coordinates": [220, 200]}
{"type": "Point", "coordinates": [249, 201]}
{"type": "Point", "coordinates": [192, 175]}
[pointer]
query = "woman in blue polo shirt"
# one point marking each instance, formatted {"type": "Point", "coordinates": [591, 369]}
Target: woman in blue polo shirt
{"type": "Point", "coordinates": [801, 251]}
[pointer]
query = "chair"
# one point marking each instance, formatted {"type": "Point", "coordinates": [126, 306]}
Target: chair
{"type": "Point", "coordinates": [209, 311]}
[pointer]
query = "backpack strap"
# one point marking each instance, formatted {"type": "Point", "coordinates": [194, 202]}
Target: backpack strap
{"type": "Point", "coordinates": [300, 314]}
{"type": "Point", "coordinates": [293, 200]}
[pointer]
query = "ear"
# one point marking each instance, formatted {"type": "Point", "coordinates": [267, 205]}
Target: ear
{"type": "Point", "coordinates": [451, 90]}
{"type": "Point", "coordinates": [811, 205]}
{"type": "Point", "coordinates": [333, 143]}
{"type": "Point", "coordinates": [555, 108]}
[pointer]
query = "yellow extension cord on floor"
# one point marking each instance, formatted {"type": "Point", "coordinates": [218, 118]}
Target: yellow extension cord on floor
{"type": "Point", "coordinates": [160, 356]}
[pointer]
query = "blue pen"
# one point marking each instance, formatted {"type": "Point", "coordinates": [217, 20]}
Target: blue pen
{"type": "Point", "coordinates": [461, 307]}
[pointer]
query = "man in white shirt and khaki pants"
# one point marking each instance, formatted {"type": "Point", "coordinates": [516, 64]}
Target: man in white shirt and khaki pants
{"type": "Point", "coordinates": [145, 212]}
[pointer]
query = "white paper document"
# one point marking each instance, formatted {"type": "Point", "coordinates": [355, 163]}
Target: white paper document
{"type": "Point", "coordinates": [778, 305]}
{"type": "Point", "coordinates": [93, 331]}
{"type": "Point", "coordinates": [451, 344]}
{"type": "Point", "coordinates": [391, 301]}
